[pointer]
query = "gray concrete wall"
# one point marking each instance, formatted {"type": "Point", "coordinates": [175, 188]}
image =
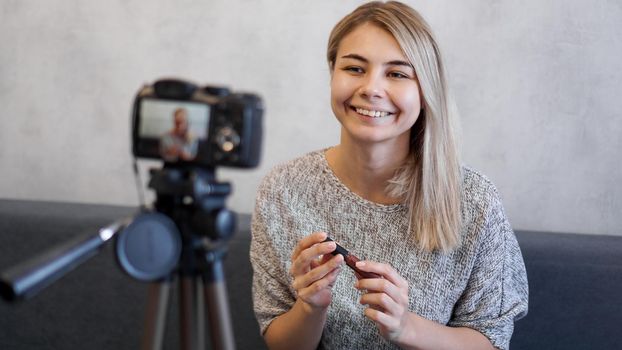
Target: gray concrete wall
{"type": "Point", "coordinates": [537, 84]}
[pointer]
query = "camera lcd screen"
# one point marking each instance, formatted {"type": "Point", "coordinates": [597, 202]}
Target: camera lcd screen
{"type": "Point", "coordinates": [174, 131]}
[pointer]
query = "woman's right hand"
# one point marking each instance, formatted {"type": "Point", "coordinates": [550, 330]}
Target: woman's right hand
{"type": "Point", "coordinates": [315, 270]}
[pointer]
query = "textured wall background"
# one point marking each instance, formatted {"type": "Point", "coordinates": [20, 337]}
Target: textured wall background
{"type": "Point", "coordinates": [537, 85]}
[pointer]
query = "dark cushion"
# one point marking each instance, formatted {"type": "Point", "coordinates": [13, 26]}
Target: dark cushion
{"type": "Point", "coordinates": [575, 292]}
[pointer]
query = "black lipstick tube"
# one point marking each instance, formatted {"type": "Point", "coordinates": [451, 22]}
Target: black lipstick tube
{"type": "Point", "coordinates": [351, 260]}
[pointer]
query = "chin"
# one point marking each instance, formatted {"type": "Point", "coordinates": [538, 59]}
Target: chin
{"type": "Point", "coordinates": [368, 137]}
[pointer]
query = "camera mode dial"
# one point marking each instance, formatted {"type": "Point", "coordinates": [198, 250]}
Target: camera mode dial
{"type": "Point", "coordinates": [227, 139]}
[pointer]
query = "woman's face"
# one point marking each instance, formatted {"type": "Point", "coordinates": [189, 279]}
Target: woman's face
{"type": "Point", "coordinates": [374, 90]}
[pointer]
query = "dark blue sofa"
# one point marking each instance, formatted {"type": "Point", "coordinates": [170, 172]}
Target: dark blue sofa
{"type": "Point", "coordinates": [575, 288]}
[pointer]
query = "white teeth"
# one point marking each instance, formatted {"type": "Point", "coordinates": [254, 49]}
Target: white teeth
{"type": "Point", "coordinates": [373, 114]}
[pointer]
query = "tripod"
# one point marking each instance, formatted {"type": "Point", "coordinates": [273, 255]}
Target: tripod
{"type": "Point", "coordinates": [191, 199]}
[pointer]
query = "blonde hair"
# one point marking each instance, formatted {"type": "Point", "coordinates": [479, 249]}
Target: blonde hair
{"type": "Point", "coordinates": [430, 180]}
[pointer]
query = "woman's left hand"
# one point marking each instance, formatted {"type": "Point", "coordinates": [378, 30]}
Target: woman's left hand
{"type": "Point", "coordinates": [387, 298]}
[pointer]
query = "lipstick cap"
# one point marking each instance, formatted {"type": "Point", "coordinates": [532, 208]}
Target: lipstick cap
{"type": "Point", "coordinates": [339, 250]}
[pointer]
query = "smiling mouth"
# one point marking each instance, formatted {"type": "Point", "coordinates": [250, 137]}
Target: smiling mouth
{"type": "Point", "coordinates": [371, 113]}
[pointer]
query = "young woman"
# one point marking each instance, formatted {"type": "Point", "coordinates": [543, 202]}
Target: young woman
{"type": "Point", "coordinates": [392, 192]}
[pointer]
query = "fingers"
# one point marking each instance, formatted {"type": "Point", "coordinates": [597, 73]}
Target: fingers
{"type": "Point", "coordinates": [307, 242]}
{"type": "Point", "coordinates": [318, 286]}
{"type": "Point", "coordinates": [389, 315]}
{"type": "Point", "coordinates": [321, 260]}
{"type": "Point", "coordinates": [307, 251]}
{"type": "Point", "coordinates": [315, 270]}
{"type": "Point", "coordinates": [386, 298]}
{"type": "Point", "coordinates": [390, 328]}
{"type": "Point", "coordinates": [388, 322]}
{"type": "Point", "coordinates": [383, 303]}
{"type": "Point", "coordinates": [314, 278]}
{"type": "Point", "coordinates": [384, 270]}
{"type": "Point", "coordinates": [383, 293]}
{"type": "Point", "coordinates": [377, 285]}
{"type": "Point", "coordinates": [318, 273]}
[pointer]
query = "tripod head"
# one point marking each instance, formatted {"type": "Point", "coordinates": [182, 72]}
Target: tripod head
{"type": "Point", "coordinates": [192, 195]}
{"type": "Point", "coordinates": [190, 219]}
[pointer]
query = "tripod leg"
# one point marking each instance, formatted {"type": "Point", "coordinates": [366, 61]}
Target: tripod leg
{"type": "Point", "coordinates": [221, 330]}
{"type": "Point", "coordinates": [155, 317]}
{"type": "Point", "coordinates": [191, 322]}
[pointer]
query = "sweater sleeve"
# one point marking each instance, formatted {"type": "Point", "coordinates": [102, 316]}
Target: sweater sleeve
{"type": "Point", "coordinates": [271, 293]}
{"type": "Point", "coordinates": [497, 291]}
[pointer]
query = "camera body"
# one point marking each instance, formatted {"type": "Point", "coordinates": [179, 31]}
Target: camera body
{"type": "Point", "coordinates": [183, 124]}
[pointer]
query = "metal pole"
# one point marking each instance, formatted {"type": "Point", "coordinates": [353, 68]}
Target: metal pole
{"type": "Point", "coordinates": [155, 317]}
{"type": "Point", "coordinates": [219, 316]}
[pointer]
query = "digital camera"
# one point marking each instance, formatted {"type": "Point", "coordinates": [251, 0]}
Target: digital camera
{"type": "Point", "coordinates": [183, 124]}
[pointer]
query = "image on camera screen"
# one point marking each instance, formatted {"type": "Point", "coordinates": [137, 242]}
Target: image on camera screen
{"type": "Point", "coordinates": [177, 127]}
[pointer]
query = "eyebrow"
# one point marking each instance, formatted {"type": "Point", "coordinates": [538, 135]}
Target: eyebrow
{"type": "Point", "coordinates": [365, 60]}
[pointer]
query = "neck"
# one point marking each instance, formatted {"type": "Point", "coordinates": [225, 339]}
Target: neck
{"type": "Point", "coordinates": [366, 169]}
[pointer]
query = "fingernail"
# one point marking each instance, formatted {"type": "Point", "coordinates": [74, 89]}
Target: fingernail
{"type": "Point", "coordinates": [360, 264]}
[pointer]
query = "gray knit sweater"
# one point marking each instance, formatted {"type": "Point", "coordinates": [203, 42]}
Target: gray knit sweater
{"type": "Point", "coordinates": [482, 284]}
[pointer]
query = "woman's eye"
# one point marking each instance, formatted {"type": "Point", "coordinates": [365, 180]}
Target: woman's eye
{"type": "Point", "coordinates": [398, 75]}
{"type": "Point", "coordinates": [353, 69]}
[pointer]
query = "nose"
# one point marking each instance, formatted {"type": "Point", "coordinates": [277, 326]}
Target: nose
{"type": "Point", "coordinates": [372, 86]}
